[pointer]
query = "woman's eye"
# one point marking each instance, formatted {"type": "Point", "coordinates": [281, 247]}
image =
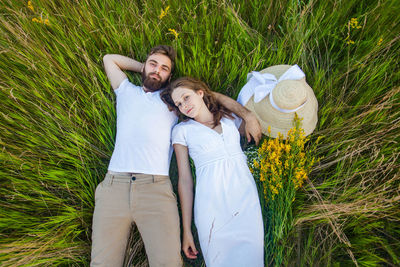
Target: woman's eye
{"type": "Point", "coordinates": [186, 97]}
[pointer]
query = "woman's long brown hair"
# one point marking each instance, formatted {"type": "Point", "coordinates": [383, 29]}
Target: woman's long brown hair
{"type": "Point", "coordinates": [209, 99]}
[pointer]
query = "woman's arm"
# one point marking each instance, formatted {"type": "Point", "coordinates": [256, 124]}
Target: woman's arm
{"type": "Point", "coordinates": [185, 190]}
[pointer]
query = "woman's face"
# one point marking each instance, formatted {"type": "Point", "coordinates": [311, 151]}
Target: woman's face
{"type": "Point", "coordinates": [189, 102]}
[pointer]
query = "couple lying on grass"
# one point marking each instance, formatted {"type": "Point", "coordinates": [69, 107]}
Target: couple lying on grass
{"type": "Point", "coordinates": [137, 189]}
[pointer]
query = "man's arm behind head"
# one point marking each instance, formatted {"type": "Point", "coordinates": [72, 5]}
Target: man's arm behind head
{"type": "Point", "coordinates": [114, 65]}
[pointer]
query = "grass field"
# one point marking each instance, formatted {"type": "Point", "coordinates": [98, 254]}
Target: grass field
{"type": "Point", "coordinates": [57, 118]}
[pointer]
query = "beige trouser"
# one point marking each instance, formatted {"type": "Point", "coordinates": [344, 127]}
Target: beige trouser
{"type": "Point", "coordinates": [147, 200]}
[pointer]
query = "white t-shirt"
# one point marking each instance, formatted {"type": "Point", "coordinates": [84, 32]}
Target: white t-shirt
{"type": "Point", "coordinates": [144, 125]}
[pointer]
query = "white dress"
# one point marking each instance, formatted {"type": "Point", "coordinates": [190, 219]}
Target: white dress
{"type": "Point", "coordinates": [227, 210]}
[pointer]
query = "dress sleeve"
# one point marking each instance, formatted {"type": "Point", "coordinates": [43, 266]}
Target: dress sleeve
{"type": "Point", "coordinates": [178, 135]}
{"type": "Point", "coordinates": [237, 120]}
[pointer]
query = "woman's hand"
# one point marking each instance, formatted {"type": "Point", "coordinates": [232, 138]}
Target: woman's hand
{"type": "Point", "coordinates": [188, 246]}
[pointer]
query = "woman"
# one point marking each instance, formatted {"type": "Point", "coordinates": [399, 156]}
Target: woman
{"type": "Point", "coordinates": [226, 208]}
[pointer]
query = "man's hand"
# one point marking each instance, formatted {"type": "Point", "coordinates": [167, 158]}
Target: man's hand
{"type": "Point", "coordinates": [252, 128]}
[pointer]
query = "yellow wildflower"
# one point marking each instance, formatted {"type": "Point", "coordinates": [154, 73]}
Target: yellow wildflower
{"type": "Point", "coordinates": [312, 161]}
{"type": "Point", "coordinates": [263, 148]}
{"type": "Point", "coordinates": [30, 6]}
{"type": "Point", "coordinates": [280, 185]}
{"type": "Point", "coordinates": [268, 146]}
{"type": "Point", "coordinates": [265, 166]}
{"type": "Point", "coordinates": [354, 23]}
{"type": "Point", "coordinates": [174, 33]}
{"type": "Point", "coordinates": [286, 164]}
{"type": "Point", "coordinates": [278, 163]}
{"type": "Point", "coordinates": [290, 132]}
{"type": "Point", "coordinates": [40, 20]}
{"type": "Point", "coordinates": [380, 41]}
{"type": "Point", "coordinates": [283, 164]}
{"type": "Point", "coordinates": [273, 169]}
{"type": "Point", "coordinates": [163, 12]}
{"type": "Point", "coordinates": [275, 191]}
{"type": "Point", "coordinates": [291, 137]}
{"type": "Point", "coordinates": [269, 129]}
{"type": "Point", "coordinates": [282, 146]}
{"type": "Point", "coordinates": [256, 164]}
{"type": "Point", "coordinates": [271, 187]}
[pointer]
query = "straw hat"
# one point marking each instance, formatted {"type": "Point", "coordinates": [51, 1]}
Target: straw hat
{"type": "Point", "coordinates": [287, 93]}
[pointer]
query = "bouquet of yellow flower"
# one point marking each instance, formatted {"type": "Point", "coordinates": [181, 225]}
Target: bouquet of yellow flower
{"type": "Point", "coordinates": [280, 167]}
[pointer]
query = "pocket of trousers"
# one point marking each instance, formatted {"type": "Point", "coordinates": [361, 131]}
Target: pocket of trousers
{"type": "Point", "coordinates": [162, 187]}
{"type": "Point", "coordinates": [165, 187]}
{"type": "Point", "coordinates": [106, 183]}
{"type": "Point", "coordinates": [98, 191]}
{"type": "Point", "coordinates": [169, 189]}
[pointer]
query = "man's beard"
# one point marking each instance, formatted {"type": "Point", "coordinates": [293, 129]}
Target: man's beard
{"type": "Point", "coordinates": [152, 84]}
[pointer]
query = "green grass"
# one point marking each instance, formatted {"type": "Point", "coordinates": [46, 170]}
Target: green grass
{"type": "Point", "coordinates": [58, 119]}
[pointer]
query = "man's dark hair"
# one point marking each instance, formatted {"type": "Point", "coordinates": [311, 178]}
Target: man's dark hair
{"type": "Point", "coordinates": [164, 50]}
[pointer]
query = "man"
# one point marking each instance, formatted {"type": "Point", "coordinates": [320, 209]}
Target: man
{"type": "Point", "coordinates": [137, 188]}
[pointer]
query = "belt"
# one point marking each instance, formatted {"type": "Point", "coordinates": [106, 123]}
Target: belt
{"type": "Point", "coordinates": [128, 177]}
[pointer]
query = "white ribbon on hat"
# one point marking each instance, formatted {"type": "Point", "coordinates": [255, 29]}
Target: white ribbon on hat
{"type": "Point", "coordinates": [261, 85]}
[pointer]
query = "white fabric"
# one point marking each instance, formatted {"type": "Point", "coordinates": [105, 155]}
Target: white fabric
{"type": "Point", "coordinates": [237, 120]}
{"type": "Point", "coordinates": [144, 126]}
{"type": "Point", "coordinates": [227, 210]}
{"type": "Point", "coordinates": [261, 85]}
